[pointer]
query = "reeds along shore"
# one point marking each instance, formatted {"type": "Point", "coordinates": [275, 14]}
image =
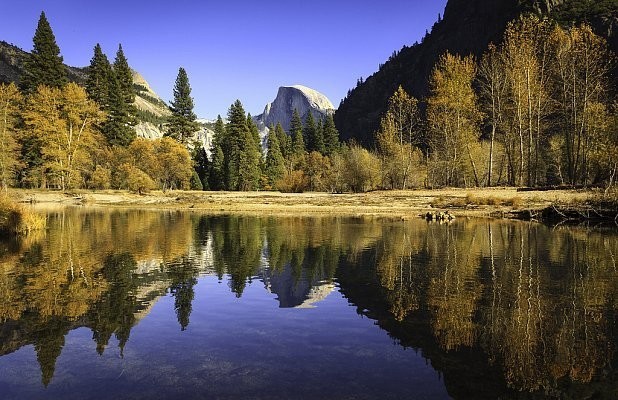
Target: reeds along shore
{"type": "Point", "coordinates": [17, 219]}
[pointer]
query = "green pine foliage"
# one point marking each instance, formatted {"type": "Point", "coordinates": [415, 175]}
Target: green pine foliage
{"type": "Point", "coordinates": [125, 81]}
{"type": "Point", "coordinates": [313, 139]}
{"type": "Point", "coordinates": [124, 76]}
{"type": "Point", "coordinates": [99, 77]}
{"type": "Point", "coordinates": [182, 123]}
{"type": "Point", "coordinates": [44, 65]}
{"type": "Point", "coordinates": [117, 128]}
{"type": "Point", "coordinates": [248, 164]}
{"type": "Point", "coordinates": [235, 136]}
{"type": "Point", "coordinates": [201, 167]}
{"type": "Point", "coordinates": [296, 132]}
{"type": "Point", "coordinates": [216, 174]}
{"type": "Point", "coordinates": [275, 163]}
{"type": "Point", "coordinates": [331, 136]}
{"type": "Point", "coordinates": [285, 142]}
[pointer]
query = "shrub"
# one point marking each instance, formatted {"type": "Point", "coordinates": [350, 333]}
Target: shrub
{"type": "Point", "coordinates": [19, 220]}
{"type": "Point", "coordinates": [101, 178]}
{"type": "Point", "coordinates": [292, 182]}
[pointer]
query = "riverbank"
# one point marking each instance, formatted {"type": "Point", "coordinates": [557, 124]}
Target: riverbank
{"type": "Point", "coordinates": [485, 202]}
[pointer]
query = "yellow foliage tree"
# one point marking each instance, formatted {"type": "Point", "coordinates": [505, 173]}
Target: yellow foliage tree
{"type": "Point", "coordinates": [64, 120]}
{"type": "Point", "coordinates": [9, 150]}
{"type": "Point", "coordinates": [453, 117]}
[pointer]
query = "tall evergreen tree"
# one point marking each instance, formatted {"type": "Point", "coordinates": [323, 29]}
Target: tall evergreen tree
{"type": "Point", "coordinates": [201, 164]}
{"type": "Point", "coordinates": [331, 136]}
{"type": "Point", "coordinates": [257, 140]}
{"type": "Point", "coordinates": [313, 140]}
{"type": "Point", "coordinates": [217, 162]}
{"type": "Point", "coordinates": [235, 137]}
{"type": "Point", "coordinates": [275, 164]}
{"type": "Point", "coordinates": [182, 123]}
{"type": "Point", "coordinates": [284, 140]}
{"type": "Point", "coordinates": [124, 76]}
{"type": "Point", "coordinates": [296, 132]}
{"type": "Point", "coordinates": [248, 163]}
{"type": "Point", "coordinates": [44, 65]}
{"type": "Point", "coordinates": [117, 127]}
{"type": "Point", "coordinates": [99, 77]}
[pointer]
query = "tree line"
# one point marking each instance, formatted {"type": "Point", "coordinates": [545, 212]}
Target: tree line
{"type": "Point", "coordinates": [537, 110]}
{"type": "Point", "coordinates": [58, 134]}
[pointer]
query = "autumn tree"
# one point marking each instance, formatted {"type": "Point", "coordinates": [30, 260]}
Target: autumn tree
{"type": "Point", "coordinates": [580, 72]}
{"type": "Point", "coordinates": [64, 121]}
{"type": "Point", "coordinates": [398, 140]}
{"type": "Point", "coordinates": [10, 101]}
{"type": "Point", "coordinates": [175, 165]}
{"type": "Point", "coordinates": [182, 122]}
{"type": "Point", "coordinates": [361, 169]}
{"type": "Point", "coordinates": [44, 65]}
{"type": "Point", "coordinates": [526, 55]}
{"type": "Point", "coordinates": [492, 83]}
{"type": "Point", "coordinates": [452, 116]}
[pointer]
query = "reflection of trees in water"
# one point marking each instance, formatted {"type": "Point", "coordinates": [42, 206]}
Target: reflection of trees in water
{"type": "Point", "coordinates": [540, 303]}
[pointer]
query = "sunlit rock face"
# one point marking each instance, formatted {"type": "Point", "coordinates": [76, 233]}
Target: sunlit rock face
{"type": "Point", "coordinates": [298, 97]}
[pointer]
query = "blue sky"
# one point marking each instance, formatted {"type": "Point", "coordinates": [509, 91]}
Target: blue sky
{"type": "Point", "coordinates": [231, 49]}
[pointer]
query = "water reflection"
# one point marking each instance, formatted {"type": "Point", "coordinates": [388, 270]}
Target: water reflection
{"type": "Point", "coordinates": [501, 309]}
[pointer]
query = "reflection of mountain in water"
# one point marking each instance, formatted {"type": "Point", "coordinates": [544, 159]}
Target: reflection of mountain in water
{"type": "Point", "coordinates": [293, 291]}
{"type": "Point", "coordinates": [457, 293]}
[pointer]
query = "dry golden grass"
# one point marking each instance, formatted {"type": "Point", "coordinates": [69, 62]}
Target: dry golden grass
{"type": "Point", "coordinates": [17, 219]}
{"type": "Point", "coordinates": [396, 203]}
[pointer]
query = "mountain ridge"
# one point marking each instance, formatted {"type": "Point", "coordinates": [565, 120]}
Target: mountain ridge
{"type": "Point", "coordinates": [147, 101]}
{"type": "Point", "coordinates": [468, 27]}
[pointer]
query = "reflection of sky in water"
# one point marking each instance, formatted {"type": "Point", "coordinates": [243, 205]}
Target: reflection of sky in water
{"type": "Point", "coordinates": [244, 347]}
{"type": "Point", "coordinates": [499, 309]}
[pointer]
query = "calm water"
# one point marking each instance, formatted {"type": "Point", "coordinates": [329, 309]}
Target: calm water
{"type": "Point", "coordinates": [161, 305]}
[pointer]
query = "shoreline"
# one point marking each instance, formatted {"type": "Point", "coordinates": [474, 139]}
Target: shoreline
{"type": "Point", "coordinates": [478, 202]}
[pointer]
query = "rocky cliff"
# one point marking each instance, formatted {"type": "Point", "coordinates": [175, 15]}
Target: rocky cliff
{"type": "Point", "coordinates": [301, 98]}
{"type": "Point", "coordinates": [468, 27]}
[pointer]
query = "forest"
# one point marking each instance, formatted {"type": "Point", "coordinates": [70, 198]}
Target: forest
{"type": "Point", "coordinates": [536, 110]}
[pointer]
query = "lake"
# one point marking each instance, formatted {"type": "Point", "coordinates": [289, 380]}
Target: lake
{"type": "Point", "coordinates": [125, 304]}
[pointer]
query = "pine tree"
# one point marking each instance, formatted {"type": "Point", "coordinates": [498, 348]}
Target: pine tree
{"type": "Point", "coordinates": [217, 162]}
{"type": "Point", "coordinates": [200, 165]}
{"type": "Point", "coordinates": [248, 163]}
{"type": "Point", "coordinates": [296, 132]}
{"type": "Point", "coordinates": [99, 76]}
{"type": "Point", "coordinates": [125, 81]}
{"type": "Point", "coordinates": [275, 164]}
{"type": "Point", "coordinates": [313, 141]}
{"type": "Point", "coordinates": [44, 65]}
{"type": "Point", "coordinates": [331, 136]}
{"type": "Point", "coordinates": [255, 134]}
{"type": "Point", "coordinates": [124, 76]}
{"type": "Point", "coordinates": [182, 122]}
{"type": "Point", "coordinates": [284, 140]}
{"type": "Point", "coordinates": [117, 127]}
{"type": "Point", "coordinates": [234, 144]}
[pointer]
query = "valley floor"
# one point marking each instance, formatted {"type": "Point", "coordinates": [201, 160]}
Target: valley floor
{"type": "Point", "coordinates": [485, 202]}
